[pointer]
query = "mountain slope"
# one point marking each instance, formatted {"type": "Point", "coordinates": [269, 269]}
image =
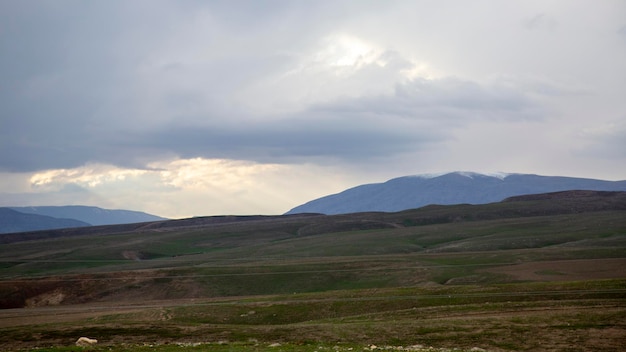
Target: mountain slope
{"type": "Point", "coordinates": [14, 221]}
{"type": "Point", "coordinates": [92, 215]}
{"type": "Point", "coordinates": [453, 188]}
{"type": "Point", "coordinates": [224, 256]}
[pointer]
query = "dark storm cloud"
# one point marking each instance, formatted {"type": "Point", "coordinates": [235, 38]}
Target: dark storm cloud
{"type": "Point", "coordinates": [74, 92]}
{"type": "Point", "coordinates": [417, 116]}
{"type": "Point", "coordinates": [74, 84]}
{"type": "Point", "coordinates": [78, 100]}
{"type": "Point", "coordinates": [57, 69]}
{"type": "Point", "coordinates": [348, 140]}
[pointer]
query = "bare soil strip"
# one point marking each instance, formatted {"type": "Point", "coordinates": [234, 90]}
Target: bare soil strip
{"type": "Point", "coordinates": [565, 270]}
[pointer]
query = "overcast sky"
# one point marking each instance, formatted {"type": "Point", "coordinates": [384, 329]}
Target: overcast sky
{"type": "Point", "coordinates": [184, 108]}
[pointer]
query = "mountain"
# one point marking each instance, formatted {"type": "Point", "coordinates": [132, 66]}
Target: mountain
{"type": "Point", "coordinates": [92, 215]}
{"type": "Point", "coordinates": [410, 192]}
{"type": "Point", "coordinates": [14, 221]}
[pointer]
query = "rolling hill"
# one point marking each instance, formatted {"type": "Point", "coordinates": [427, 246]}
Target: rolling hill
{"type": "Point", "coordinates": [532, 272]}
{"type": "Point", "coordinates": [452, 188]}
{"type": "Point", "coordinates": [560, 222]}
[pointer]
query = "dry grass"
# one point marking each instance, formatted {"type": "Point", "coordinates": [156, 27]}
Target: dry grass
{"type": "Point", "coordinates": [514, 276]}
{"type": "Point", "coordinates": [549, 316]}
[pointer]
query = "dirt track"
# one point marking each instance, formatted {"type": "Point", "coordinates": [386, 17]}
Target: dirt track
{"type": "Point", "coordinates": [565, 270]}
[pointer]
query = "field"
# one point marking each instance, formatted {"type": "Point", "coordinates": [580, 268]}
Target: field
{"type": "Point", "coordinates": [525, 275]}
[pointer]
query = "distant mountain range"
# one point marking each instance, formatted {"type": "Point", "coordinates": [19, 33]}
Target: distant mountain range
{"type": "Point", "coordinates": [410, 192]}
{"type": "Point", "coordinates": [21, 219]}
{"type": "Point", "coordinates": [14, 221]}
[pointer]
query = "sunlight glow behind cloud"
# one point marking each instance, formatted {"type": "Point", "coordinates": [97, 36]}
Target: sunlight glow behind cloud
{"type": "Point", "coordinates": [197, 108]}
{"type": "Point", "coordinates": [216, 186]}
{"type": "Point", "coordinates": [347, 50]}
{"type": "Point", "coordinates": [199, 173]}
{"type": "Point", "coordinates": [88, 176]}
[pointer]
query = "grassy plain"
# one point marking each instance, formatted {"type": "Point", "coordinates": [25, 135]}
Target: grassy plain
{"type": "Point", "coordinates": [535, 275]}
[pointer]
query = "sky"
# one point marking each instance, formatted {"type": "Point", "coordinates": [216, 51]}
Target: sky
{"type": "Point", "coordinates": [190, 108]}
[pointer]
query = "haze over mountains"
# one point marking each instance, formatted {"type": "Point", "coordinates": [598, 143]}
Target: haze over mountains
{"type": "Point", "coordinates": [14, 221]}
{"type": "Point", "coordinates": [397, 194]}
{"type": "Point", "coordinates": [410, 192]}
{"type": "Point", "coordinates": [19, 219]}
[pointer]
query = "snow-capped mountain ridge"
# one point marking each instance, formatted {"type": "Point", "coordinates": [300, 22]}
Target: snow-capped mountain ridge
{"type": "Point", "coordinates": [458, 187]}
{"type": "Point", "coordinates": [470, 174]}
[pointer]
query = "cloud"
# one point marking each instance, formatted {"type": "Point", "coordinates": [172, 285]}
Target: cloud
{"type": "Point", "coordinates": [88, 176]}
{"type": "Point", "coordinates": [419, 114]}
{"type": "Point", "coordinates": [541, 21]}
{"type": "Point", "coordinates": [91, 91]}
{"type": "Point", "coordinates": [213, 81]}
{"type": "Point", "coordinates": [605, 141]}
{"type": "Point", "coordinates": [66, 194]}
{"type": "Point", "coordinates": [95, 87]}
{"type": "Point", "coordinates": [177, 117]}
{"type": "Point", "coordinates": [443, 99]}
{"type": "Point", "coordinates": [622, 32]}
{"type": "Point", "coordinates": [179, 187]}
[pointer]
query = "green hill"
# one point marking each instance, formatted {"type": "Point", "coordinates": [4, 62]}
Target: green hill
{"type": "Point", "coordinates": [352, 277]}
{"type": "Point", "coordinates": [218, 256]}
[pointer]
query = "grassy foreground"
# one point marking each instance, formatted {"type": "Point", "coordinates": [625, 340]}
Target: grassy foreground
{"type": "Point", "coordinates": [256, 347]}
{"type": "Point", "coordinates": [566, 316]}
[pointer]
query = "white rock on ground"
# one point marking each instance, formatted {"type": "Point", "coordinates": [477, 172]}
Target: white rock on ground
{"type": "Point", "coordinates": [85, 342]}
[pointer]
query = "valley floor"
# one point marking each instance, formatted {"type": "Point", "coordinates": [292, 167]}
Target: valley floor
{"type": "Point", "coordinates": [566, 316]}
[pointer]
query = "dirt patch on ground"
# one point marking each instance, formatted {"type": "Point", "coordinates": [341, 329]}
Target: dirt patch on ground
{"type": "Point", "coordinates": [565, 270]}
{"type": "Point", "coordinates": [53, 298]}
